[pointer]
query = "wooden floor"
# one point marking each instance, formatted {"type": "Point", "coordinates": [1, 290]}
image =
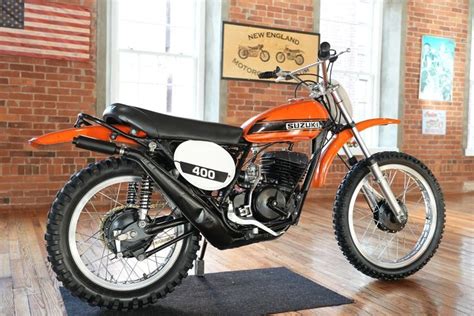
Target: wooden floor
{"type": "Point", "coordinates": [444, 287]}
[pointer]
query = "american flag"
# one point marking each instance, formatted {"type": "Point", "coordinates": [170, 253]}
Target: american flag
{"type": "Point", "coordinates": [40, 29]}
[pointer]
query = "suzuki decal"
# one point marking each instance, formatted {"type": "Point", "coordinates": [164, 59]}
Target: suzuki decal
{"type": "Point", "coordinates": [283, 126]}
{"type": "Point", "coordinates": [304, 125]}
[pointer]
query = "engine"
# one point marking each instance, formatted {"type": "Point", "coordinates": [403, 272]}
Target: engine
{"type": "Point", "coordinates": [271, 186]}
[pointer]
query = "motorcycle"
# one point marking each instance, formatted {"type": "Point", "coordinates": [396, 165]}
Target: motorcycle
{"type": "Point", "coordinates": [254, 51]}
{"type": "Point", "coordinates": [123, 232]}
{"type": "Point", "coordinates": [291, 54]}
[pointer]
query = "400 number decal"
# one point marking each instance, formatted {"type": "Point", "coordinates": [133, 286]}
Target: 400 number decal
{"type": "Point", "coordinates": [203, 172]}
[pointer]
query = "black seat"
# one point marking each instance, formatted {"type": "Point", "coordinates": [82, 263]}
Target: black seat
{"type": "Point", "coordinates": [159, 125]}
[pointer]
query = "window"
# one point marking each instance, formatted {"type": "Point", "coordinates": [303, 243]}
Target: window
{"type": "Point", "coordinates": [470, 119]}
{"type": "Point", "coordinates": [357, 24]}
{"type": "Point", "coordinates": [156, 55]}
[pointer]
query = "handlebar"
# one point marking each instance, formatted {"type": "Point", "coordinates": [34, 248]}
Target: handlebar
{"type": "Point", "coordinates": [269, 74]}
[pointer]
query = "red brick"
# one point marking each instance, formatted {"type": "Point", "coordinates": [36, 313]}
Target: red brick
{"type": "Point", "coordinates": [21, 67]}
{"type": "Point", "coordinates": [33, 75]}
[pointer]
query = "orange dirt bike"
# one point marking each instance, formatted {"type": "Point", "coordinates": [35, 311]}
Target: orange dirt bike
{"type": "Point", "coordinates": [124, 231]}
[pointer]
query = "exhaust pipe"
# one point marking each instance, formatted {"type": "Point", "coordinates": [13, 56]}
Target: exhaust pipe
{"type": "Point", "coordinates": [96, 145]}
{"type": "Point", "coordinates": [193, 208]}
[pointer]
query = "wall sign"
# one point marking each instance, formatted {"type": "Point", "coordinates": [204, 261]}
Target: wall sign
{"type": "Point", "coordinates": [434, 122]}
{"type": "Point", "coordinates": [248, 50]}
{"type": "Point", "coordinates": [436, 73]}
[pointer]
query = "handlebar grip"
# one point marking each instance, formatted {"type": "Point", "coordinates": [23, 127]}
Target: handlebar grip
{"type": "Point", "coordinates": [324, 51]}
{"type": "Point", "coordinates": [267, 75]}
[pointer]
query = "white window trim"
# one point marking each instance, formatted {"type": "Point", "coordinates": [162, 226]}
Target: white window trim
{"type": "Point", "coordinates": [376, 69]}
{"type": "Point", "coordinates": [201, 60]}
{"type": "Point", "coordinates": [111, 85]}
{"type": "Point", "coordinates": [470, 120]}
{"type": "Point", "coordinates": [469, 151]}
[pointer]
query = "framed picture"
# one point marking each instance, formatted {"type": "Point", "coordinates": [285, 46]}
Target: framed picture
{"type": "Point", "coordinates": [434, 122]}
{"type": "Point", "coordinates": [437, 67]}
{"type": "Point", "coordinates": [248, 50]}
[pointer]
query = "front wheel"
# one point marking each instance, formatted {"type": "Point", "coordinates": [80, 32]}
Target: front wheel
{"type": "Point", "coordinates": [94, 260]}
{"type": "Point", "coordinates": [367, 232]}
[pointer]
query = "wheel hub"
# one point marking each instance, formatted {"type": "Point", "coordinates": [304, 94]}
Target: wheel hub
{"type": "Point", "coordinates": [122, 234]}
{"type": "Point", "coordinates": [385, 219]}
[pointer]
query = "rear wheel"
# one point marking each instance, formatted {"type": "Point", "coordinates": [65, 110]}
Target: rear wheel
{"type": "Point", "coordinates": [83, 250]}
{"type": "Point", "coordinates": [264, 56]}
{"type": "Point", "coordinates": [243, 53]}
{"type": "Point", "coordinates": [367, 232]}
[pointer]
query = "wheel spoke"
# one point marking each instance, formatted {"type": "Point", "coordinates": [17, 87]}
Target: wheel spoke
{"type": "Point", "coordinates": [373, 190]}
{"type": "Point", "coordinates": [111, 199]}
{"type": "Point", "coordinates": [118, 193]}
{"type": "Point", "coordinates": [89, 237]}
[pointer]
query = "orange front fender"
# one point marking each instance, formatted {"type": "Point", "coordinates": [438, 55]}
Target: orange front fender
{"type": "Point", "coordinates": [342, 138]}
{"type": "Point", "coordinates": [97, 132]}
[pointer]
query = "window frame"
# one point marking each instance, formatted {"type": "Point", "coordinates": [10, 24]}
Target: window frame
{"type": "Point", "coordinates": [469, 150]}
{"type": "Point", "coordinates": [112, 56]}
{"type": "Point", "coordinates": [374, 74]}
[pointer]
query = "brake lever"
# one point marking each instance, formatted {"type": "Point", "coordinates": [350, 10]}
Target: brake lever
{"type": "Point", "coordinates": [334, 58]}
{"type": "Point", "coordinates": [283, 76]}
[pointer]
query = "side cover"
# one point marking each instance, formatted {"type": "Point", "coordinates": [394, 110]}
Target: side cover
{"type": "Point", "coordinates": [205, 165]}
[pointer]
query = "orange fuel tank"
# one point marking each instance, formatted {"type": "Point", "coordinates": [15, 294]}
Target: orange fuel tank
{"type": "Point", "coordinates": [292, 122]}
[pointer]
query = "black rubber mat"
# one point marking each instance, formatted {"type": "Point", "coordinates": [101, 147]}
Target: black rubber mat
{"type": "Point", "coordinates": [248, 292]}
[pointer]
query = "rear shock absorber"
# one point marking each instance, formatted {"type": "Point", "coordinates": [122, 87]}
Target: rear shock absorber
{"type": "Point", "coordinates": [132, 193]}
{"type": "Point", "coordinates": [146, 190]}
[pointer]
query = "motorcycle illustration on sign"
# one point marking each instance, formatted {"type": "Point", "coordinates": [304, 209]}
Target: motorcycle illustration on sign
{"type": "Point", "coordinates": [291, 54]}
{"type": "Point", "coordinates": [254, 51]}
{"type": "Point", "coordinates": [124, 231]}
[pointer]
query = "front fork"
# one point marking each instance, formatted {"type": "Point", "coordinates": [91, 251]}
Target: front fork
{"type": "Point", "coordinates": [373, 165]}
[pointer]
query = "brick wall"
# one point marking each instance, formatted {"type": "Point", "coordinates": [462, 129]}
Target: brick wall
{"type": "Point", "coordinates": [38, 96]}
{"type": "Point", "coordinates": [443, 154]}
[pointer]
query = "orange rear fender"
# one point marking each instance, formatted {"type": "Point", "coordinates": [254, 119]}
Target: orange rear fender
{"type": "Point", "coordinates": [336, 144]}
{"type": "Point", "coordinates": [97, 132]}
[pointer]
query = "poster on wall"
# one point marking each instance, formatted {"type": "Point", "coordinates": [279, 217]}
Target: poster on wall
{"type": "Point", "coordinates": [434, 122]}
{"type": "Point", "coordinates": [437, 66]}
{"type": "Point", "coordinates": [248, 50]}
